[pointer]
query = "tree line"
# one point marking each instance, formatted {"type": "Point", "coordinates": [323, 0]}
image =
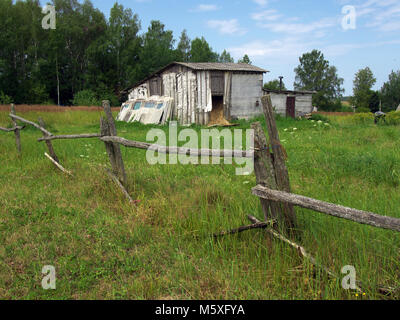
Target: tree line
{"type": "Point", "coordinates": [87, 57]}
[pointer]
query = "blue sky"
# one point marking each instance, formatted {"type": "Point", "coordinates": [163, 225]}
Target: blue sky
{"type": "Point", "coordinates": [275, 33]}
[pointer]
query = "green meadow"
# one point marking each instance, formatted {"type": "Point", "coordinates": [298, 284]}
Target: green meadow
{"type": "Point", "coordinates": [162, 248]}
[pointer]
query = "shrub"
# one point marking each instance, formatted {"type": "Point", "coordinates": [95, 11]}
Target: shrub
{"type": "Point", "coordinates": [362, 118]}
{"type": "Point", "coordinates": [86, 98]}
{"type": "Point", "coordinates": [5, 99]}
{"type": "Point", "coordinates": [318, 117]}
{"type": "Point", "coordinates": [393, 118]}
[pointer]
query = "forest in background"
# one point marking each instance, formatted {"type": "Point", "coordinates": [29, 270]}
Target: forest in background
{"type": "Point", "coordinates": [86, 57]}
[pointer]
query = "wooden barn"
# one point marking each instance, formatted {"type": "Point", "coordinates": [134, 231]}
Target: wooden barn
{"type": "Point", "coordinates": [202, 93]}
{"type": "Point", "coordinates": [291, 103]}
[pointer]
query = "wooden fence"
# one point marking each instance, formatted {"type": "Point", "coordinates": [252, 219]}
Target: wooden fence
{"type": "Point", "coordinates": [273, 185]}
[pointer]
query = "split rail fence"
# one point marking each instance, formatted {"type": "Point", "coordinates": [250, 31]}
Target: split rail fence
{"type": "Point", "coordinates": [273, 185]}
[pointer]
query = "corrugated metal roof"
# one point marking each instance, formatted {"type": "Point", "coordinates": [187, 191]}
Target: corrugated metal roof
{"type": "Point", "coordinates": [206, 66]}
{"type": "Point", "coordinates": [219, 66]}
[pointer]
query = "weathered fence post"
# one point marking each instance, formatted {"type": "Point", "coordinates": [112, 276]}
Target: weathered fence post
{"type": "Point", "coordinates": [16, 131]}
{"type": "Point", "coordinates": [107, 127]}
{"type": "Point", "coordinates": [48, 142]}
{"type": "Point", "coordinates": [278, 161]}
{"type": "Point", "coordinates": [264, 171]}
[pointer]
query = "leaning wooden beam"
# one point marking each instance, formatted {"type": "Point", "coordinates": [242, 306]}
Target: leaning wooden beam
{"type": "Point", "coordinates": [359, 286]}
{"type": "Point", "coordinates": [48, 143]}
{"type": "Point", "coordinates": [59, 166]}
{"type": "Point", "coordinates": [179, 150]}
{"type": "Point", "coordinates": [299, 248]}
{"type": "Point", "coordinates": [355, 215]}
{"type": "Point", "coordinates": [17, 131]}
{"type": "Point", "coordinates": [119, 184]}
{"type": "Point", "coordinates": [13, 116]}
{"type": "Point", "coordinates": [259, 225]}
{"type": "Point", "coordinates": [72, 136]}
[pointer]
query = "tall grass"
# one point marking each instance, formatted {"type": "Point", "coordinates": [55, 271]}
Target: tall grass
{"type": "Point", "coordinates": [104, 248]}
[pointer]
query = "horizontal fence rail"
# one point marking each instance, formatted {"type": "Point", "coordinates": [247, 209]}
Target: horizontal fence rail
{"type": "Point", "coordinates": [71, 136]}
{"type": "Point", "coordinates": [355, 215]}
{"type": "Point", "coordinates": [179, 150]}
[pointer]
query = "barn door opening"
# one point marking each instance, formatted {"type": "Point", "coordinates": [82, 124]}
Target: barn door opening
{"type": "Point", "coordinates": [291, 107]}
{"type": "Point", "coordinates": [217, 113]}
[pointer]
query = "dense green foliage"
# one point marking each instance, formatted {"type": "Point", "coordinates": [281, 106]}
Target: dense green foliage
{"type": "Point", "coordinates": [86, 52]}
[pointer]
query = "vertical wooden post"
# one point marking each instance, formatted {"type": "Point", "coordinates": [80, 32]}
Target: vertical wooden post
{"type": "Point", "coordinates": [264, 171]}
{"type": "Point", "coordinates": [279, 161]}
{"type": "Point", "coordinates": [16, 131]}
{"type": "Point", "coordinates": [113, 149]}
{"type": "Point", "coordinates": [48, 142]}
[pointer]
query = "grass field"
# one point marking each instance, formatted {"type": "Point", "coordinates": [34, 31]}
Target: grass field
{"type": "Point", "coordinates": [104, 248]}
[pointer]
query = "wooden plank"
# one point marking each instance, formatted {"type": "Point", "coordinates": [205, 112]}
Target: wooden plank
{"type": "Point", "coordinates": [116, 148]}
{"type": "Point", "coordinates": [355, 215]}
{"type": "Point", "coordinates": [178, 150]}
{"type": "Point", "coordinates": [16, 131]}
{"type": "Point", "coordinates": [279, 158]}
{"type": "Point", "coordinates": [105, 131]}
{"type": "Point", "coordinates": [58, 165]}
{"type": "Point", "coordinates": [72, 136]}
{"type": "Point", "coordinates": [119, 184]}
{"type": "Point", "coordinates": [264, 171]}
{"type": "Point", "coordinates": [44, 131]}
{"type": "Point", "coordinates": [48, 142]}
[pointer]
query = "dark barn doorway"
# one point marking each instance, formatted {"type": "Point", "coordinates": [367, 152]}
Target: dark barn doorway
{"type": "Point", "coordinates": [291, 107]}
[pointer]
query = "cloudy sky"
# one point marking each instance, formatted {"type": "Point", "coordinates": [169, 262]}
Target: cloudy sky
{"type": "Point", "coordinates": [275, 33]}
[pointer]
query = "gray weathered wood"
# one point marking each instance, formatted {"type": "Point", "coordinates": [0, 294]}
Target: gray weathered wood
{"type": "Point", "coordinates": [179, 150]}
{"type": "Point", "coordinates": [120, 168]}
{"type": "Point", "coordinates": [48, 142]}
{"type": "Point", "coordinates": [119, 184]}
{"type": "Point", "coordinates": [11, 129]}
{"type": "Point", "coordinates": [279, 158]}
{"type": "Point", "coordinates": [31, 123]}
{"type": "Point", "coordinates": [355, 215]}
{"type": "Point", "coordinates": [105, 130]}
{"type": "Point", "coordinates": [59, 166]}
{"type": "Point", "coordinates": [16, 131]}
{"type": "Point", "coordinates": [264, 171]}
{"type": "Point", "coordinates": [72, 136]}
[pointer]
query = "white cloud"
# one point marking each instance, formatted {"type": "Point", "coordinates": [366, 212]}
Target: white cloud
{"type": "Point", "coordinates": [205, 8]}
{"type": "Point", "coordinates": [301, 28]}
{"type": "Point", "coordinates": [266, 15]}
{"type": "Point", "coordinates": [288, 47]}
{"type": "Point", "coordinates": [262, 3]}
{"type": "Point", "coordinates": [226, 26]}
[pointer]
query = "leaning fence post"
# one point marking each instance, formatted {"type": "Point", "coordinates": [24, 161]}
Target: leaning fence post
{"type": "Point", "coordinates": [279, 161]}
{"type": "Point", "coordinates": [264, 171]}
{"type": "Point", "coordinates": [113, 149]}
{"type": "Point", "coordinates": [16, 131]}
{"type": "Point", "coordinates": [48, 142]}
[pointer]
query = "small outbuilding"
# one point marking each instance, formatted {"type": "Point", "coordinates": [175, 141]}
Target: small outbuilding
{"type": "Point", "coordinates": [291, 103]}
{"type": "Point", "coordinates": [201, 93]}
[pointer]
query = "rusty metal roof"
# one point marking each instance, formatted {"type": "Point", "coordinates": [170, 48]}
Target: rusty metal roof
{"type": "Point", "coordinates": [219, 66]}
